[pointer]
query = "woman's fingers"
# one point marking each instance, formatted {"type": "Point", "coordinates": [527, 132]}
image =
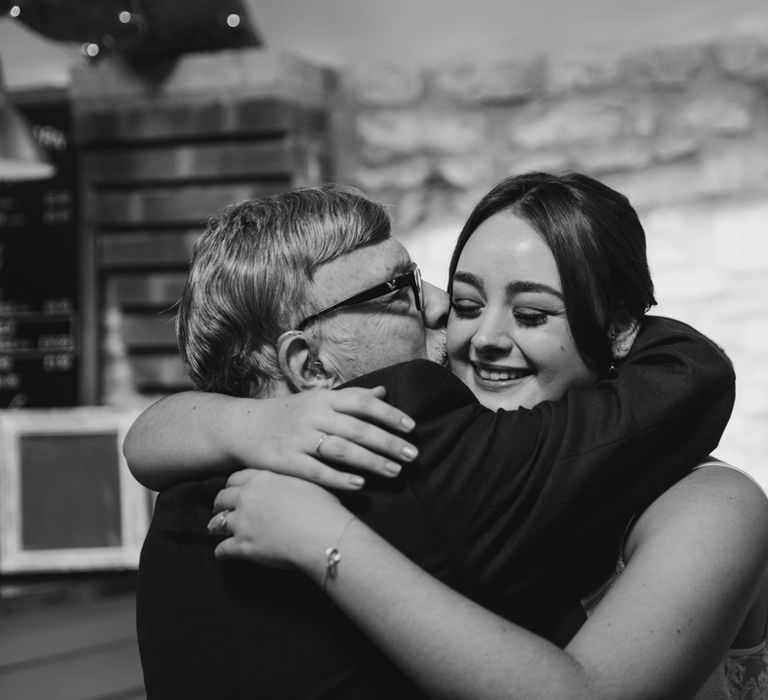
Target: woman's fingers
{"type": "Point", "coordinates": [242, 477]}
{"type": "Point", "coordinates": [302, 467]}
{"type": "Point", "coordinates": [226, 499]}
{"type": "Point", "coordinates": [230, 548]}
{"type": "Point", "coordinates": [348, 432]}
{"type": "Point", "coordinates": [368, 404]}
{"type": "Point", "coordinates": [367, 453]}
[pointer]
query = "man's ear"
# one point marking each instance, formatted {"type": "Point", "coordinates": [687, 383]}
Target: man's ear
{"type": "Point", "coordinates": [622, 337]}
{"type": "Point", "coordinates": [299, 365]}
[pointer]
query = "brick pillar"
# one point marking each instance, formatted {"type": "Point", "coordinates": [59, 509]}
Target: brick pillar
{"type": "Point", "coordinates": [160, 154]}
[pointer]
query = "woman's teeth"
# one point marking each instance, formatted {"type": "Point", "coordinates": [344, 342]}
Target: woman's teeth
{"type": "Point", "coordinates": [498, 375]}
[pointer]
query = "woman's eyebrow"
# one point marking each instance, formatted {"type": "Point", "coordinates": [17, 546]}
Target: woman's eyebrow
{"type": "Point", "coordinates": [522, 287]}
{"type": "Point", "coordinates": [468, 278]}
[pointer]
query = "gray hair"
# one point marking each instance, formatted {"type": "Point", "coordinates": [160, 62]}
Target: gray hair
{"type": "Point", "coordinates": [250, 277]}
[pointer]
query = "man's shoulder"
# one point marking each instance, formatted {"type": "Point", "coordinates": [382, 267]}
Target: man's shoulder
{"type": "Point", "coordinates": [188, 502]}
{"type": "Point", "coordinates": [677, 336]}
{"type": "Point", "coordinates": [664, 327]}
{"type": "Point", "coordinates": [419, 386]}
{"type": "Point", "coordinates": [411, 368]}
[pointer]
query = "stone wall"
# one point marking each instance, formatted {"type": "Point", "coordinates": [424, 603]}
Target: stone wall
{"type": "Point", "coordinates": [682, 130]}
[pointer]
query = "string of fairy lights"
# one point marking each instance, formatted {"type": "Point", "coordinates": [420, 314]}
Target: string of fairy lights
{"type": "Point", "coordinates": [127, 18]}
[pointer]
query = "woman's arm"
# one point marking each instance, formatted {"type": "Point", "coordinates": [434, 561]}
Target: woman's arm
{"type": "Point", "coordinates": [193, 434]}
{"type": "Point", "coordinates": [695, 561]}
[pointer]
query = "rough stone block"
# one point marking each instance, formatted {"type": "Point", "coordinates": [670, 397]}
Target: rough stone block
{"type": "Point", "coordinates": [731, 169]}
{"type": "Point", "coordinates": [570, 72]}
{"type": "Point", "coordinates": [625, 154]}
{"type": "Point", "coordinates": [382, 83]}
{"type": "Point", "coordinates": [667, 67]}
{"type": "Point", "coordinates": [408, 132]}
{"type": "Point", "coordinates": [525, 161]}
{"type": "Point", "coordinates": [465, 171]}
{"type": "Point", "coordinates": [409, 209]}
{"type": "Point", "coordinates": [745, 57]}
{"type": "Point", "coordinates": [405, 174]}
{"type": "Point", "coordinates": [728, 112]}
{"type": "Point", "coordinates": [721, 171]}
{"type": "Point", "coordinates": [673, 146]}
{"type": "Point", "coordinates": [509, 81]}
{"type": "Point", "coordinates": [662, 183]}
{"type": "Point", "coordinates": [583, 120]}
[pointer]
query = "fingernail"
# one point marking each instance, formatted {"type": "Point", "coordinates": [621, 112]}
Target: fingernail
{"type": "Point", "coordinates": [409, 452]}
{"type": "Point", "coordinates": [357, 481]}
{"type": "Point", "coordinates": [392, 468]}
{"type": "Point", "coordinates": [407, 423]}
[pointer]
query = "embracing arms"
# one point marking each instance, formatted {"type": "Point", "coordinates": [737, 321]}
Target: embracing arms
{"type": "Point", "coordinates": [695, 560]}
{"type": "Point", "coordinates": [678, 375]}
{"type": "Point", "coordinates": [195, 434]}
{"type": "Point", "coordinates": [566, 476]}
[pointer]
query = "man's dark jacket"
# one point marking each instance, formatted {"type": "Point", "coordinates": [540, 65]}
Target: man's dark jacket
{"type": "Point", "coordinates": [523, 511]}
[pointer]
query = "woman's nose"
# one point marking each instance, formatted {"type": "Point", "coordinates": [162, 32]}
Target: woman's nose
{"type": "Point", "coordinates": [493, 335]}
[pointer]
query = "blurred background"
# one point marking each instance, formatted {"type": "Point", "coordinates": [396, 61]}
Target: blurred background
{"type": "Point", "coordinates": [124, 124]}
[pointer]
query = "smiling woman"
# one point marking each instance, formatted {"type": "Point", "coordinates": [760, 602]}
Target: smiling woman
{"type": "Point", "coordinates": [549, 282]}
{"type": "Point", "coordinates": [509, 337]}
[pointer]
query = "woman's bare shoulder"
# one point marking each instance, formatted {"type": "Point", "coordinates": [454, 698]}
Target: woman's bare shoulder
{"type": "Point", "coordinates": [715, 500]}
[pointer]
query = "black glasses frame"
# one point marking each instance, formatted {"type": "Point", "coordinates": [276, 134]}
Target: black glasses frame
{"type": "Point", "coordinates": [411, 279]}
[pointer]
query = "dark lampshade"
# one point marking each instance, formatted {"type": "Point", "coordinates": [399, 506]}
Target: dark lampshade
{"type": "Point", "coordinates": [21, 157]}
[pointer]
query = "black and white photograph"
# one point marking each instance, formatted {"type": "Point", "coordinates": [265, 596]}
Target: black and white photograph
{"type": "Point", "coordinates": [383, 351]}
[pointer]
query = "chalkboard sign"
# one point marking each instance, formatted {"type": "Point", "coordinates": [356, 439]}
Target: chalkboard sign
{"type": "Point", "coordinates": [40, 270]}
{"type": "Point", "coordinates": [61, 473]}
{"type": "Point", "coordinates": [67, 499]}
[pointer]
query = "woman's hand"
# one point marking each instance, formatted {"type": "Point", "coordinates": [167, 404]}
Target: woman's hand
{"type": "Point", "coordinates": [277, 521]}
{"type": "Point", "coordinates": [299, 435]}
{"type": "Point", "coordinates": [195, 434]}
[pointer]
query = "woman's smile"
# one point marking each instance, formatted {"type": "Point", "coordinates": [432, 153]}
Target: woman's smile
{"type": "Point", "coordinates": [495, 377]}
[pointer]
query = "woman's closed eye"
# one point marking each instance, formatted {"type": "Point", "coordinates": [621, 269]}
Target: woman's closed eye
{"type": "Point", "coordinates": [530, 317]}
{"type": "Point", "coordinates": [466, 308]}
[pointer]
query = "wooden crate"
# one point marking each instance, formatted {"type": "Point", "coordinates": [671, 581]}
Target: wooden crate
{"type": "Point", "coordinates": [158, 158]}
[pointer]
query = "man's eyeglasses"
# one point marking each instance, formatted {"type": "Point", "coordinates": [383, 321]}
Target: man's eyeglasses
{"type": "Point", "coordinates": [411, 279]}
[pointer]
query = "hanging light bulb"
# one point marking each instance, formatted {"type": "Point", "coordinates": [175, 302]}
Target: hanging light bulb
{"type": "Point", "coordinates": [233, 20]}
{"type": "Point", "coordinates": [15, 11]}
{"type": "Point", "coordinates": [91, 50]}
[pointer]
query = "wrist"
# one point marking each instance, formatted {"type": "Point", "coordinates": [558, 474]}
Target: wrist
{"type": "Point", "coordinates": [322, 559]}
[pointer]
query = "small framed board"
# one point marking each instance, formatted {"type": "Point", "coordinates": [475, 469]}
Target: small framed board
{"type": "Point", "coordinates": [67, 499]}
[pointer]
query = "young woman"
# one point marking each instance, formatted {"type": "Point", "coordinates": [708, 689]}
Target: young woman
{"type": "Point", "coordinates": [521, 331]}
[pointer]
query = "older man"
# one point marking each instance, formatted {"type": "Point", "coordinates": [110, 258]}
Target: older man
{"type": "Point", "coordinates": [522, 511]}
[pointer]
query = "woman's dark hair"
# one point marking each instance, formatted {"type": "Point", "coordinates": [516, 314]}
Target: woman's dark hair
{"type": "Point", "coordinates": [598, 244]}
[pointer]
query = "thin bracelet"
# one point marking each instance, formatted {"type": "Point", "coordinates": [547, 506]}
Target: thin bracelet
{"type": "Point", "coordinates": [333, 556]}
